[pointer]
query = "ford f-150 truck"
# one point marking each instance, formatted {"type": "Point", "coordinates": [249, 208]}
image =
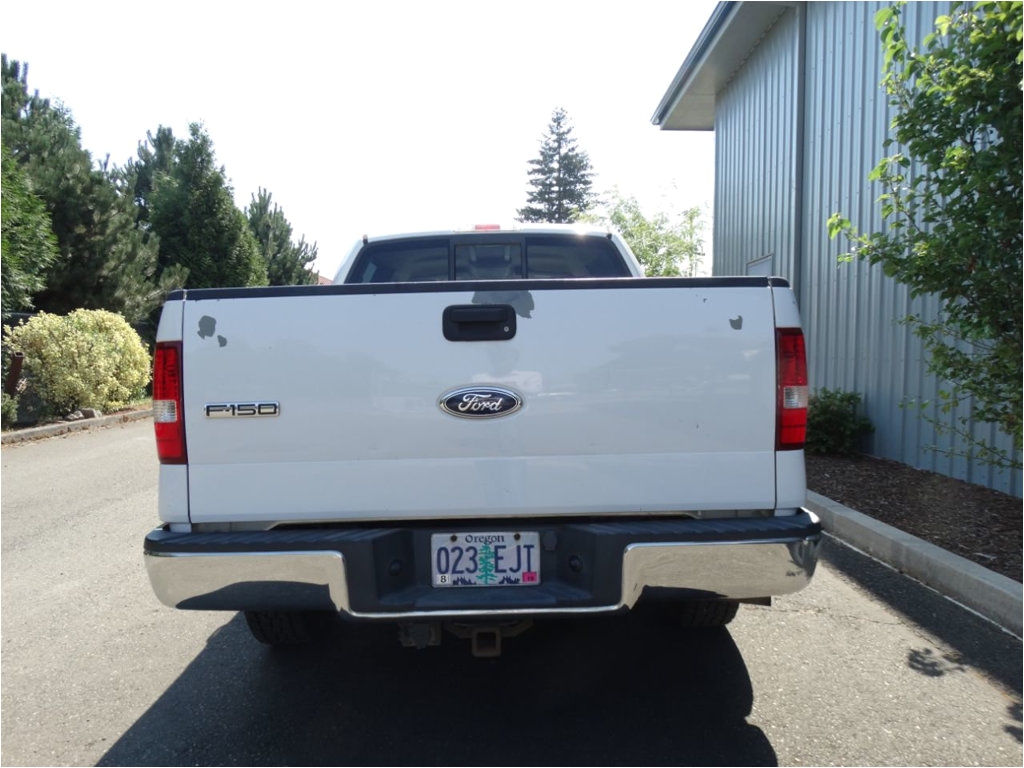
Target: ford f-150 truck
{"type": "Point", "coordinates": [475, 429]}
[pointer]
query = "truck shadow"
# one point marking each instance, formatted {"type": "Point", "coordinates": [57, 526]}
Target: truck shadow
{"type": "Point", "coordinates": [975, 642]}
{"type": "Point", "coordinates": [604, 691]}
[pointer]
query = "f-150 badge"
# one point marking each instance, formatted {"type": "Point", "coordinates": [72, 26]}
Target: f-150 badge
{"type": "Point", "coordinates": [480, 402]}
{"type": "Point", "coordinates": [229, 410]}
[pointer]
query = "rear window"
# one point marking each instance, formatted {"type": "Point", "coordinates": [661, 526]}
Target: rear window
{"type": "Point", "coordinates": [487, 261]}
{"type": "Point", "coordinates": [491, 258]}
{"type": "Point", "coordinates": [401, 261]}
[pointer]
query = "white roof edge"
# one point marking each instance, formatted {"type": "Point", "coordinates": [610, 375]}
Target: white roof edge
{"type": "Point", "coordinates": [691, 64]}
{"type": "Point", "coordinates": [732, 32]}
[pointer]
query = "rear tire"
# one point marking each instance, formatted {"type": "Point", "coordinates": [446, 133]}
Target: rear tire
{"type": "Point", "coordinates": [706, 614]}
{"type": "Point", "coordinates": [289, 627]}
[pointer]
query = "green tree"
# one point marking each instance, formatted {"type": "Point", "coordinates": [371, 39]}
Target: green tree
{"type": "Point", "coordinates": [952, 202]}
{"type": "Point", "coordinates": [288, 263]}
{"type": "Point", "coordinates": [665, 246]}
{"type": "Point", "coordinates": [103, 260]}
{"type": "Point", "coordinates": [155, 156]}
{"type": "Point", "coordinates": [184, 199]}
{"type": "Point", "coordinates": [27, 244]}
{"type": "Point", "coordinates": [560, 177]}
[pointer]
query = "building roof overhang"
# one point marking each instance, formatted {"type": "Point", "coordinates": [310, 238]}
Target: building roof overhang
{"type": "Point", "coordinates": [727, 40]}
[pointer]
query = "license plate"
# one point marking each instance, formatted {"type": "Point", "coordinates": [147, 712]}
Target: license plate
{"type": "Point", "coordinates": [488, 559]}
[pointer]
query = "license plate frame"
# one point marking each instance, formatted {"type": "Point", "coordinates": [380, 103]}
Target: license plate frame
{"type": "Point", "coordinates": [485, 559]}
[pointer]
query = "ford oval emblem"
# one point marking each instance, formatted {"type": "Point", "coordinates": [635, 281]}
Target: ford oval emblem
{"type": "Point", "coordinates": [480, 402]}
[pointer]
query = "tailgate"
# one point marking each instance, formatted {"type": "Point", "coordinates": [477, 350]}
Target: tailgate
{"type": "Point", "coordinates": [638, 396]}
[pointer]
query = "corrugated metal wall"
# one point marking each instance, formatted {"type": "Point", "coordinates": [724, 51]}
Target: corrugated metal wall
{"type": "Point", "coordinates": [784, 165]}
{"type": "Point", "coordinates": [755, 158]}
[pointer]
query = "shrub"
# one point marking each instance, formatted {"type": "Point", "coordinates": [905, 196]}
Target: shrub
{"type": "Point", "coordinates": [88, 359]}
{"type": "Point", "coordinates": [8, 403]}
{"type": "Point", "coordinates": [8, 410]}
{"type": "Point", "coordinates": [834, 425]}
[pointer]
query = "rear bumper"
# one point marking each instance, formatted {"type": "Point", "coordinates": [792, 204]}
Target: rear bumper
{"type": "Point", "coordinates": [383, 573]}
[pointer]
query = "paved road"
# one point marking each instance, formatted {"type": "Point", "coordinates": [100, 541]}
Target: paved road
{"type": "Point", "coordinates": [862, 668]}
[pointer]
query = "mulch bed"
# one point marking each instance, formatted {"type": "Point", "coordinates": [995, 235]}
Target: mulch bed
{"type": "Point", "coordinates": [977, 523]}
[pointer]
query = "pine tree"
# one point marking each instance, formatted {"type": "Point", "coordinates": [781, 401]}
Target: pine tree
{"type": "Point", "coordinates": [561, 177]}
{"type": "Point", "coordinates": [184, 198]}
{"type": "Point", "coordinates": [103, 261]}
{"type": "Point", "coordinates": [27, 243]}
{"type": "Point", "coordinates": [288, 263]}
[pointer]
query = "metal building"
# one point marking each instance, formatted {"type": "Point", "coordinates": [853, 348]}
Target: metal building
{"type": "Point", "coordinates": [792, 91]}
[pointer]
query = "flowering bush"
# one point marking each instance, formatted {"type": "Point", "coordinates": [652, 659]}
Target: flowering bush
{"type": "Point", "coordinates": [90, 358]}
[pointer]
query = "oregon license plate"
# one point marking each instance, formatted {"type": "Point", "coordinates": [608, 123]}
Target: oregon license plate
{"type": "Point", "coordinates": [488, 559]}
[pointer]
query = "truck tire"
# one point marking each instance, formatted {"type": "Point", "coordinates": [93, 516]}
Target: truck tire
{"type": "Point", "coordinates": [288, 627]}
{"type": "Point", "coordinates": [706, 614]}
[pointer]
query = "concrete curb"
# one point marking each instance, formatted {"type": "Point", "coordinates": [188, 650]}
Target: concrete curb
{"type": "Point", "coordinates": [64, 427]}
{"type": "Point", "coordinates": [996, 597]}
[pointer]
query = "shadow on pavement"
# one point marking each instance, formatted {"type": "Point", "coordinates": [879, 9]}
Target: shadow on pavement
{"type": "Point", "coordinates": [608, 691]}
{"type": "Point", "coordinates": [977, 642]}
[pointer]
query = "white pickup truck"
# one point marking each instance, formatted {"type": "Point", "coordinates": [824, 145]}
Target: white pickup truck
{"type": "Point", "coordinates": [476, 429]}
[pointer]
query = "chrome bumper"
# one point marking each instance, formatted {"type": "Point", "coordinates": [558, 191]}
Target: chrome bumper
{"type": "Point", "coordinates": [319, 579]}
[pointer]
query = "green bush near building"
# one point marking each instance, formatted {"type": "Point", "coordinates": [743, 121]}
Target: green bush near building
{"type": "Point", "coordinates": [834, 424]}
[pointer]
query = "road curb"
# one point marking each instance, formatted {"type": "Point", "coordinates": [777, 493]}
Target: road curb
{"type": "Point", "coordinates": [996, 597]}
{"type": "Point", "coordinates": [64, 427]}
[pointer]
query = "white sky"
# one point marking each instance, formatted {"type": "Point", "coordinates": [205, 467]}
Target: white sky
{"type": "Point", "coordinates": [378, 116]}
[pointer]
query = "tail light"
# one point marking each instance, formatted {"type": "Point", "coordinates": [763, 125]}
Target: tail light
{"type": "Point", "coordinates": [167, 403]}
{"type": "Point", "coordinates": [791, 405]}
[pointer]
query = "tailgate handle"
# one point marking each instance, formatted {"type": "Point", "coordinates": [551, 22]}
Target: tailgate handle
{"type": "Point", "coordinates": [479, 322]}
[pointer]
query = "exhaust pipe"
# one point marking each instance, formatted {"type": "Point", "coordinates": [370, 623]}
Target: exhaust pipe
{"type": "Point", "coordinates": [419, 635]}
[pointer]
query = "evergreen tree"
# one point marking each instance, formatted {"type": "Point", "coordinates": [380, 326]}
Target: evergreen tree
{"type": "Point", "coordinates": [28, 246]}
{"type": "Point", "coordinates": [184, 199]}
{"type": "Point", "coordinates": [155, 156]}
{"type": "Point", "coordinates": [560, 177]}
{"type": "Point", "coordinates": [288, 263]}
{"type": "Point", "coordinates": [104, 261]}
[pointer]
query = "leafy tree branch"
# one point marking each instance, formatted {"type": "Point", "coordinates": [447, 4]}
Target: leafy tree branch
{"type": "Point", "coordinates": [665, 245]}
{"type": "Point", "coordinates": [951, 202]}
